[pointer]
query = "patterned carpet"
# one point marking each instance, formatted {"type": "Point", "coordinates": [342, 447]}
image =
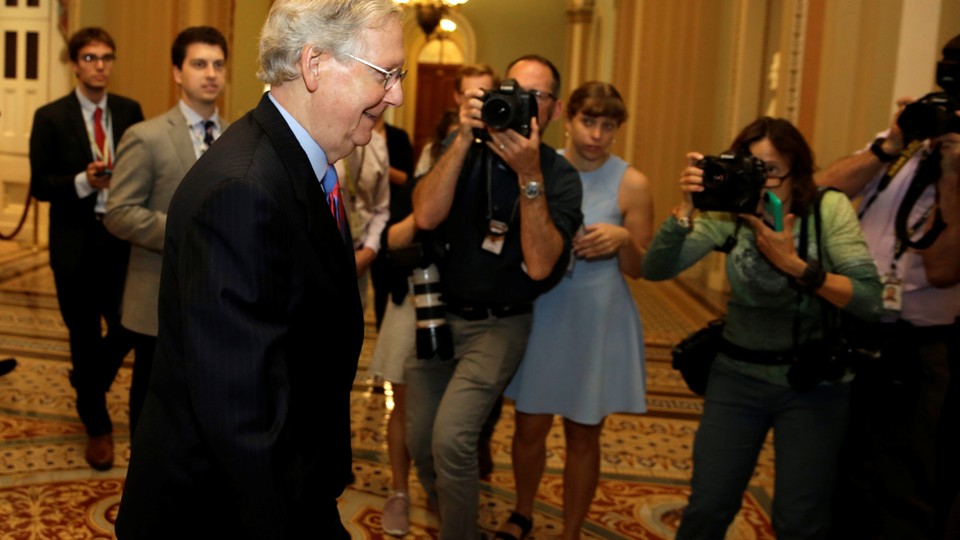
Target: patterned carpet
{"type": "Point", "coordinates": [48, 491]}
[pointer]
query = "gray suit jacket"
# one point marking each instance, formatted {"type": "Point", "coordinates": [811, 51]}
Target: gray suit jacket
{"type": "Point", "coordinates": [152, 159]}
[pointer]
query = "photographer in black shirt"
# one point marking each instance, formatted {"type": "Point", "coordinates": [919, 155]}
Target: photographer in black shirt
{"type": "Point", "coordinates": [504, 213]}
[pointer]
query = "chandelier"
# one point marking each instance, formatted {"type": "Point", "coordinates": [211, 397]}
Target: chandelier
{"type": "Point", "coordinates": [430, 12]}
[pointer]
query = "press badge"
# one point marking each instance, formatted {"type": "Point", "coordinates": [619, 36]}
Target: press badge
{"type": "Point", "coordinates": [496, 234]}
{"type": "Point", "coordinates": [892, 293]}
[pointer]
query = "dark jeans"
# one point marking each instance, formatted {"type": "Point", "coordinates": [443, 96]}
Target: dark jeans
{"type": "Point", "coordinates": [948, 447]}
{"type": "Point", "coordinates": [889, 467]}
{"type": "Point", "coordinates": [738, 412]}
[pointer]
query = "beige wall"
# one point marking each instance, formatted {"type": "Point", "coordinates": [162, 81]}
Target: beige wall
{"type": "Point", "coordinates": [144, 31]}
{"type": "Point", "coordinates": [495, 32]}
{"type": "Point", "coordinates": [693, 71]}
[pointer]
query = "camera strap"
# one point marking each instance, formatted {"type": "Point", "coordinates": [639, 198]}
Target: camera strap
{"type": "Point", "coordinates": [892, 171]}
{"type": "Point", "coordinates": [501, 219]}
{"type": "Point", "coordinates": [731, 240]}
{"type": "Point", "coordinates": [825, 307]}
{"type": "Point", "coordinates": [927, 173]}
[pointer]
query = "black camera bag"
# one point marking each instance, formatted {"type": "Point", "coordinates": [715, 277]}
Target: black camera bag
{"type": "Point", "coordinates": [694, 356]}
{"type": "Point", "coordinates": [845, 344]}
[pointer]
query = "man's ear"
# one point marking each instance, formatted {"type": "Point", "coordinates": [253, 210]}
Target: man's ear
{"type": "Point", "coordinates": [177, 75]}
{"type": "Point", "coordinates": [310, 67]}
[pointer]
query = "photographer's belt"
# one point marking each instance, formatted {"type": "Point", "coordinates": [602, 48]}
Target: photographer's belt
{"type": "Point", "coordinates": [479, 312]}
{"type": "Point", "coordinates": [766, 358]}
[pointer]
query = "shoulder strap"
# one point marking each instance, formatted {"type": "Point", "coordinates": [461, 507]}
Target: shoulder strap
{"type": "Point", "coordinates": [731, 240]}
{"type": "Point", "coordinates": [927, 173]}
{"type": "Point", "coordinates": [802, 251]}
{"type": "Point", "coordinates": [829, 312]}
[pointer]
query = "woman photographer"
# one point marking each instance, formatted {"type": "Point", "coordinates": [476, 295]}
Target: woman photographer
{"type": "Point", "coordinates": [775, 308]}
{"type": "Point", "coordinates": [584, 358]}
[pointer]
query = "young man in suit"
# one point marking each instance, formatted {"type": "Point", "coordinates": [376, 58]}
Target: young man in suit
{"type": "Point", "coordinates": [152, 159]}
{"type": "Point", "coordinates": [247, 415]}
{"type": "Point", "coordinates": [71, 157]}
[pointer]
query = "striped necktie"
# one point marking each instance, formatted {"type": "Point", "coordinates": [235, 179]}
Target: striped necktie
{"type": "Point", "coordinates": [208, 137]}
{"type": "Point", "coordinates": [332, 188]}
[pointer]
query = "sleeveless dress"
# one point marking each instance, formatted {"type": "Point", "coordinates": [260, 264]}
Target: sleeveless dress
{"type": "Point", "coordinates": [584, 358]}
{"type": "Point", "coordinates": [396, 341]}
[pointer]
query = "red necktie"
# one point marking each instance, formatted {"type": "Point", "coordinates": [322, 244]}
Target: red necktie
{"type": "Point", "coordinates": [100, 136]}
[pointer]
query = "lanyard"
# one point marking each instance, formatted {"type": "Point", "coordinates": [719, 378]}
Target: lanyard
{"type": "Point", "coordinates": [98, 153]}
{"type": "Point", "coordinates": [488, 164]}
{"type": "Point", "coordinates": [892, 171]}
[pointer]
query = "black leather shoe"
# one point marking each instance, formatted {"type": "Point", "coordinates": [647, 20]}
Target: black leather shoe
{"type": "Point", "coordinates": [7, 365]}
{"type": "Point", "coordinates": [99, 452]}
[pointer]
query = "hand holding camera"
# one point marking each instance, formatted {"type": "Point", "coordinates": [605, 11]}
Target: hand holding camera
{"type": "Point", "coordinates": [935, 114]}
{"type": "Point", "coordinates": [931, 116]}
{"type": "Point", "coordinates": [471, 122]}
{"type": "Point", "coordinates": [508, 107]}
{"type": "Point", "coordinates": [731, 182]}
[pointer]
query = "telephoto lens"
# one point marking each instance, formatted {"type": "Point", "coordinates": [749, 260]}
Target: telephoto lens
{"type": "Point", "coordinates": [433, 334]}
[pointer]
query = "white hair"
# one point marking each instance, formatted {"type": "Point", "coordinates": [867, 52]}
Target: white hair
{"type": "Point", "coordinates": [332, 26]}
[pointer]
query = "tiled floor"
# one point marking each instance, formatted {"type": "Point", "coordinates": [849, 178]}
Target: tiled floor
{"type": "Point", "coordinates": [47, 491]}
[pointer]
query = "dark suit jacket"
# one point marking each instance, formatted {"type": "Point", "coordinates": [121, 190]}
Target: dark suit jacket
{"type": "Point", "coordinates": [59, 149]}
{"type": "Point", "coordinates": [247, 419]}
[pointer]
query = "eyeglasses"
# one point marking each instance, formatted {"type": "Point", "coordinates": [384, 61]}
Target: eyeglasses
{"type": "Point", "coordinates": [390, 77]}
{"type": "Point", "coordinates": [772, 174]}
{"type": "Point", "coordinates": [93, 59]}
{"type": "Point", "coordinates": [542, 96]}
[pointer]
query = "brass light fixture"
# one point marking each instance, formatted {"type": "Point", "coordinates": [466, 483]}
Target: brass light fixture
{"type": "Point", "coordinates": [430, 12]}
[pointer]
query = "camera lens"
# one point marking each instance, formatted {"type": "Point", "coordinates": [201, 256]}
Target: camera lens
{"type": "Point", "coordinates": [433, 334]}
{"type": "Point", "coordinates": [498, 111]}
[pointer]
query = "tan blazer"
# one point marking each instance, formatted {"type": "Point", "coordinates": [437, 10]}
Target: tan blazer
{"type": "Point", "coordinates": [152, 159]}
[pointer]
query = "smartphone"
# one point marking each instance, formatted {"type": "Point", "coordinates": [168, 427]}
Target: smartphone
{"type": "Point", "coordinates": [773, 211]}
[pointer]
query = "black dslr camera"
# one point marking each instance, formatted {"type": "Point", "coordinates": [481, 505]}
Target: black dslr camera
{"type": "Point", "coordinates": [934, 114]}
{"type": "Point", "coordinates": [508, 107]}
{"type": "Point", "coordinates": [731, 183]}
{"type": "Point", "coordinates": [930, 116]}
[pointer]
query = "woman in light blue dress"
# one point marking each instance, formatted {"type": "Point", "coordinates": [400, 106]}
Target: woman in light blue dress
{"type": "Point", "coordinates": [584, 359]}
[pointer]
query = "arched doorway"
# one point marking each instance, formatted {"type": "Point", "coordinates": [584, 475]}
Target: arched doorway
{"type": "Point", "coordinates": [432, 65]}
{"type": "Point", "coordinates": [437, 67]}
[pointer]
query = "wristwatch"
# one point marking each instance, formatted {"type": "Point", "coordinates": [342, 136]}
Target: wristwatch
{"type": "Point", "coordinates": [532, 190]}
{"type": "Point", "coordinates": [683, 220]}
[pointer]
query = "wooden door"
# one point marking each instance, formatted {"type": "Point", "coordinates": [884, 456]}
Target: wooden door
{"type": "Point", "coordinates": [24, 56]}
{"type": "Point", "coordinates": [435, 88]}
{"type": "Point", "coordinates": [27, 35]}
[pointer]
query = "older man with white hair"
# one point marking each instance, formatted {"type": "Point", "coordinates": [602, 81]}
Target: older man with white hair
{"type": "Point", "coordinates": [246, 421]}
